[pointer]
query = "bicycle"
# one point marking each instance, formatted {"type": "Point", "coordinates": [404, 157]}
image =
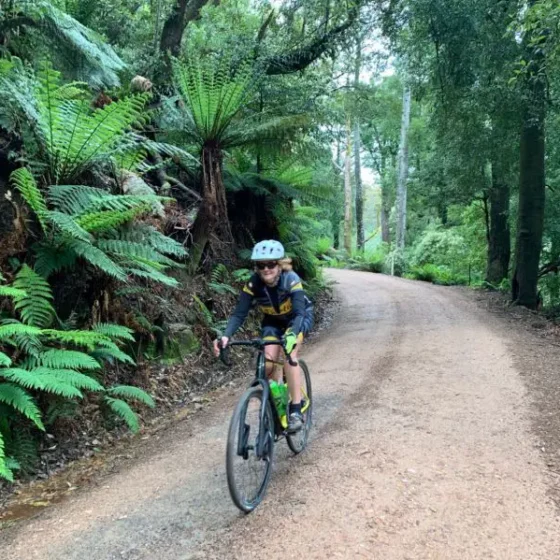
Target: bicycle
{"type": "Point", "coordinates": [256, 426]}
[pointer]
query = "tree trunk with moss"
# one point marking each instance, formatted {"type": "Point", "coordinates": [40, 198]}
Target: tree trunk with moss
{"type": "Point", "coordinates": [530, 221]}
{"type": "Point", "coordinates": [211, 228]}
{"type": "Point", "coordinates": [348, 190]}
{"type": "Point", "coordinates": [499, 243]}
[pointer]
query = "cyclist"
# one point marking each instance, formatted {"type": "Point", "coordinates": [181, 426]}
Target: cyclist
{"type": "Point", "coordinates": [278, 293]}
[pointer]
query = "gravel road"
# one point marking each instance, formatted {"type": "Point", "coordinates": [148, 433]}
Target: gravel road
{"type": "Point", "coordinates": [422, 449]}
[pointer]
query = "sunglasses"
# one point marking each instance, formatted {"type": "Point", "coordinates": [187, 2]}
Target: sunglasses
{"type": "Point", "coordinates": [269, 265]}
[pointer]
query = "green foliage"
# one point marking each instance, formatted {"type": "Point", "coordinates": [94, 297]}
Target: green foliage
{"type": "Point", "coordinates": [100, 228]}
{"type": "Point", "coordinates": [66, 38]}
{"type": "Point", "coordinates": [122, 409]}
{"type": "Point", "coordinates": [38, 360]}
{"type": "Point", "coordinates": [435, 274]}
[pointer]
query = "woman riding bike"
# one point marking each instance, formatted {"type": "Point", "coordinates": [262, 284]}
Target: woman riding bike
{"type": "Point", "coordinates": [288, 313]}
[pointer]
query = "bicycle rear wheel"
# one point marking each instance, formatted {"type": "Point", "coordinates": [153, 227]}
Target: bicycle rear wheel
{"type": "Point", "coordinates": [247, 474]}
{"type": "Point", "coordinates": [298, 441]}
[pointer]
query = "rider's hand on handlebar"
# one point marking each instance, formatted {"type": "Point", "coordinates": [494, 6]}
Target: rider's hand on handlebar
{"type": "Point", "coordinates": [220, 343]}
{"type": "Point", "coordinates": [290, 342]}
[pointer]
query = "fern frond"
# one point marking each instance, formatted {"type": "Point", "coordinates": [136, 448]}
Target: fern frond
{"type": "Point", "coordinates": [135, 251]}
{"type": "Point", "coordinates": [35, 306]}
{"type": "Point", "coordinates": [53, 257]}
{"type": "Point", "coordinates": [74, 199]}
{"type": "Point", "coordinates": [22, 401]}
{"type": "Point", "coordinates": [110, 219]}
{"type": "Point", "coordinates": [12, 329]}
{"type": "Point", "coordinates": [71, 377]}
{"type": "Point", "coordinates": [131, 393]}
{"type": "Point", "coordinates": [11, 292]}
{"type": "Point", "coordinates": [24, 182]}
{"type": "Point", "coordinates": [113, 331]}
{"type": "Point", "coordinates": [88, 339]}
{"type": "Point", "coordinates": [142, 233]}
{"type": "Point", "coordinates": [155, 276]}
{"type": "Point", "coordinates": [214, 92]}
{"type": "Point", "coordinates": [66, 224]}
{"type": "Point", "coordinates": [108, 349]}
{"type": "Point", "coordinates": [39, 380]}
{"type": "Point", "coordinates": [5, 471]}
{"type": "Point", "coordinates": [5, 361]}
{"type": "Point", "coordinates": [97, 258]}
{"type": "Point", "coordinates": [123, 410]}
{"type": "Point", "coordinates": [67, 359]}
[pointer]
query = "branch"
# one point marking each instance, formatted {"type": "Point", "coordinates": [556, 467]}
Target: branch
{"type": "Point", "coordinates": [183, 188]}
{"type": "Point", "coordinates": [300, 59]}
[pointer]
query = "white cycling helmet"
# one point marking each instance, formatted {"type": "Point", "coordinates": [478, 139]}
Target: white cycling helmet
{"type": "Point", "coordinates": [269, 250]}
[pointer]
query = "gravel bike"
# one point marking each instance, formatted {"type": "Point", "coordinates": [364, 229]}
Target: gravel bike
{"type": "Point", "coordinates": [255, 427]}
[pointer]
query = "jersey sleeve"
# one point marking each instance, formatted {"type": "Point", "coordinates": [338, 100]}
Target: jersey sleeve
{"type": "Point", "coordinates": [294, 282]}
{"type": "Point", "coordinates": [242, 309]}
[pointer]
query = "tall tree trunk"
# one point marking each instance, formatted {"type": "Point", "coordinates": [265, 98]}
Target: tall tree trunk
{"type": "Point", "coordinates": [499, 243]}
{"type": "Point", "coordinates": [403, 169]}
{"type": "Point", "coordinates": [357, 160]}
{"type": "Point", "coordinates": [531, 183]}
{"type": "Point", "coordinates": [385, 210]}
{"type": "Point", "coordinates": [348, 190]}
{"type": "Point", "coordinates": [211, 228]}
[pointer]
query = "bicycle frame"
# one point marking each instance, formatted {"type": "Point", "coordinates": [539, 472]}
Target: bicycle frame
{"type": "Point", "coordinates": [262, 381]}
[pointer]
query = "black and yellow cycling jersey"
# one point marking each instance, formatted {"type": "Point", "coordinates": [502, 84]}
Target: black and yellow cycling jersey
{"type": "Point", "coordinates": [284, 305]}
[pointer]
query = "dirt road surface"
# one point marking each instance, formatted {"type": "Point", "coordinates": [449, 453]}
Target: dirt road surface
{"type": "Point", "coordinates": [422, 449]}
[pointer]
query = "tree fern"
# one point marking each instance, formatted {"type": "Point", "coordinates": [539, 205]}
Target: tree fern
{"type": "Point", "coordinates": [123, 410]}
{"type": "Point", "coordinates": [214, 93]}
{"type": "Point", "coordinates": [131, 393]}
{"type": "Point", "coordinates": [5, 471]}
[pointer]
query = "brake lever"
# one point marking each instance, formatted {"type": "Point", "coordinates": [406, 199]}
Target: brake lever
{"type": "Point", "coordinates": [288, 356]}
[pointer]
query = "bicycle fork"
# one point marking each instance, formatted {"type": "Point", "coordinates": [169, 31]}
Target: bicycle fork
{"type": "Point", "coordinates": [243, 446]}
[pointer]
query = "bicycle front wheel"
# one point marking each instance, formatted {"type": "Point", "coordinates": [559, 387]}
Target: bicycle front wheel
{"type": "Point", "coordinates": [247, 472]}
{"type": "Point", "coordinates": [298, 441]}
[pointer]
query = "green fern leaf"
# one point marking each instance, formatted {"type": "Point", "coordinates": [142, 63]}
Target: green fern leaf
{"type": "Point", "coordinates": [134, 251]}
{"type": "Point", "coordinates": [97, 258]}
{"type": "Point", "coordinates": [132, 393]}
{"type": "Point", "coordinates": [74, 199]}
{"type": "Point", "coordinates": [142, 233]}
{"type": "Point", "coordinates": [155, 276]}
{"type": "Point", "coordinates": [123, 410]}
{"type": "Point", "coordinates": [67, 359]}
{"type": "Point", "coordinates": [38, 379]}
{"type": "Point", "coordinates": [53, 257]}
{"type": "Point", "coordinates": [113, 331]}
{"type": "Point", "coordinates": [5, 471]}
{"type": "Point", "coordinates": [88, 339]}
{"type": "Point", "coordinates": [9, 291]}
{"type": "Point", "coordinates": [108, 350]}
{"type": "Point", "coordinates": [35, 306]}
{"type": "Point", "coordinates": [70, 377]}
{"type": "Point", "coordinates": [66, 224]}
{"type": "Point", "coordinates": [5, 361]}
{"type": "Point", "coordinates": [23, 181]}
{"type": "Point", "coordinates": [11, 330]}
{"type": "Point", "coordinates": [21, 400]}
{"type": "Point", "coordinates": [110, 219]}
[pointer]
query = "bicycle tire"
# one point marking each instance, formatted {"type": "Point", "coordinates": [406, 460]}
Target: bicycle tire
{"type": "Point", "coordinates": [298, 442]}
{"type": "Point", "coordinates": [243, 502]}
